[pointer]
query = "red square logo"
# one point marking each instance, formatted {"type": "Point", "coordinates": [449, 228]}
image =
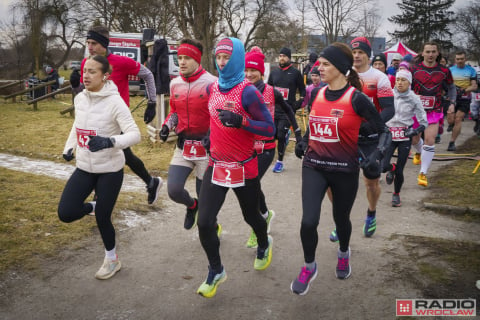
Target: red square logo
{"type": "Point", "coordinates": [404, 307]}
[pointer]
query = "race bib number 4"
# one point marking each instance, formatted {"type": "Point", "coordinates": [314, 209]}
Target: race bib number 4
{"type": "Point", "coordinates": [194, 150]}
{"type": "Point", "coordinates": [228, 174]}
{"type": "Point", "coordinates": [428, 102]}
{"type": "Point", "coordinates": [82, 136]}
{"type": "Point", "coordinates": [398, 133]}
{"type": "Point", "coordinates": [323, 129]}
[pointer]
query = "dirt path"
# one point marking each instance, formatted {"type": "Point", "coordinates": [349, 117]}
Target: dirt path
{"type": "Point", "coordinates": [163, 264]}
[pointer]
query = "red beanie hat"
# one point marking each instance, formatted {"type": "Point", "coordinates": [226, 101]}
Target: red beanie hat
{"type": "Point", "coordinates": [255, 60]}
{"type": "Point", "coordinates": [363, 44]}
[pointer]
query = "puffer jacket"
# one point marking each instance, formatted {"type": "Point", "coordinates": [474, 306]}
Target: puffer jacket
{"type": "Point", "coordinates": [102, 113]}
{"type": "Point", "coordinates": [407, 105]}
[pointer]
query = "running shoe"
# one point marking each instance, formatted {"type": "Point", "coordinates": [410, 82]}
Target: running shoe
{"type": "Point", "coordinates": [153, 189]}
{"type": "Point", "coordinates": [219, 230]}
{"type": "Point", "coordinates": [208, 288]}
{"type": "Point", "coordinates": [438, 139]}
{"type": "Point", "coordinates": [422, 180]}
{"type": "Point", "coordinates": [92, 213]}
{"type": "Point", "coordinates": [191, 216]}
{"type": "Point", "coordinates": [301, 284]}
{"type": "Point", "coordinates": [252, 240]}
{"type": "Point", "coordinates": [450, 128]}
{"type": "Point", "coordinates": [389, 177]}
{"type": "Point", "coordinates": [271, 215]}
{"type": "Point", "coordinates": [396, 200]}
{"type": "Point", "coordinates": [370, 226]}
{"type": "Point", "coordinates": [451, 146]}
{"type": "Point", "coordinates": [334, 236]}
{"type": "Point", "coordinates": [264, 256]}
{"type": "Point", "coordinates": [278, 167]}
{"type": "Point", "coordinates": [108, 269]}
{"type": "Point", "coordinates": [343, 269]}
{"type": "Point", "coordinates": [417, 159]}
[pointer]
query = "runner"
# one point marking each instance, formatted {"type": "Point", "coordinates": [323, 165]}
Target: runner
{"type": "Point", "coordinates": [103, 126]}
{"type": "Point", "coordinates": [428, 81]}
{"type": "Point", "coordinates": [475, 109]}
{"type": "Point", "coordinates": [379, 62]}
{"type": "Point", "coordinates": [445, 104]}
{"type": "Point", "coordinates": [407, 105]}
{"type": "Point", "coordinates": [312, 59]}
{"type": "Point", "coordinates": [190, 119]}
{"type": "Point", "coordinates": [97, 44]}
{"type": "Point", "coordinates": [376, 86]}
{"type": "Point", "coordinates": [394, 64]}
{"type": "Point", "coordinates": [265, 146]}
{"type": "Point", "coordinates": [288, 81]}
{"type": "Point", "coordinates": [237, 113]}
{"type": "Point", "coordinates": [465, 79]}
{"type": "Point", "coordinates": [330, 153]}
{"type": "Point", "coordinates": [316, 83]}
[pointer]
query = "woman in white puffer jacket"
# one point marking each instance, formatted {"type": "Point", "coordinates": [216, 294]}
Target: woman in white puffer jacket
{"type": "Point", "coordinates": [103, 127]}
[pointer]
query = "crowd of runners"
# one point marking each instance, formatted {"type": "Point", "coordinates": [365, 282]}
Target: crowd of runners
{"type": "Point", "coordinates": [360, 112]}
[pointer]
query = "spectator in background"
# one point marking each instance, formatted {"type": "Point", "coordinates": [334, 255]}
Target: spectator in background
{"type": "Point", "coordinates": [396, 59]}
{"type": "Point", "coordinates": [379, 62]}
{"type": "Point", "coordinates": [52, 74]}
{"type": "Point", "coordinates": [312, 58]}
{"type": "Point", "coordinates": [316, 83]}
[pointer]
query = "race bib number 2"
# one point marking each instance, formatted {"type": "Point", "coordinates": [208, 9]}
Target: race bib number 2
{"type": "Point", "coordinates": [194, 150]}
{"type": "Point", "coordinates": [82, 136]}
{"type": "Point", "coordinates": [228, 174]}
{"type": "Point", "coordinates": [323, 129]}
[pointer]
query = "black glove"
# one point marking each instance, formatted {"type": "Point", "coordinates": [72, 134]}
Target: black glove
{"type": "Point", "coordinates": [300, 148]}
{"type": "Point", "coordinates": [298, 104]}
{"type": "Point", "coordinates": [230, 119]}
{"type": "Point", "coordinates": [69, 155]}
{"type": "Point", "coordinates": [410, 132]}
{"type": "Point", "coordinates": [298, 135]}
{"type": "Point", "coordinates": [371, 165]}
{"type": "Point", "coordinates": [150, 112]}
{"type": "Point", "coordinates": [206, 143]}
{"type": "Point", "coordinates": [98, 143]}
{"type": "Point", "coordinates": [164, 133]}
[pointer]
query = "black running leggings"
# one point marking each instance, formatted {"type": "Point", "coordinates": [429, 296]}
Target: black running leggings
{"type": "Point", "coordinates": [177, 177]}
{"type": "Point", "coordinates": [72, 204]}
{"type": "Point", "coordinates": [344, 190]}
{"type": "Point", "coordinates": [137, 166]}
{"type": "Point", "coordinates": [282, 125]}
{"type": "Point", "coordinates": [264, 161]}
{"type": "Point", "coordinates": [212, 197]}
{"type": "Point", "coordinates": [403, 148]}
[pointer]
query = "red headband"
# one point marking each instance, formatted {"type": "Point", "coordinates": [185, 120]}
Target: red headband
{"type": "Point", "coordinates": [193, 52]}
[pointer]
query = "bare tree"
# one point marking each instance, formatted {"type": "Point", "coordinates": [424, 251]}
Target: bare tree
{"type": "Point", "coordinates": [338, 18]}
{"type": "Point", "coordinates": [105, 12]}
{"type": "Point", "coordinates": [244, 17]}
{"type": "Point", "coordinates": [468, 24]}
{"type": "Point", "coordinates": [370, 20]}
{"type": "Point", "coordinates": [199, 19]}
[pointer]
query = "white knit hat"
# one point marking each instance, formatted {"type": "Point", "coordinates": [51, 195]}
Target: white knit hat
{"type": "Point", "coordinates": [404, 74]}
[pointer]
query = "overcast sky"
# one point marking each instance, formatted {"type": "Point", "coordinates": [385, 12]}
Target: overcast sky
{"type": "Point", "coordinates": [387, 9]}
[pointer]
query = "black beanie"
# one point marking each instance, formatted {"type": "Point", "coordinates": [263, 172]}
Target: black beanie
{"type": "Point", "coordinates": [339, 59]}
{"type": "Point", "coordinates": [315, 71]}
{"type": "Point", "coordinates": [101, 39]}
{"type": "Point", "coordinates": [380, 57]}
{"type": "Point", "coordinates": [287, 52]}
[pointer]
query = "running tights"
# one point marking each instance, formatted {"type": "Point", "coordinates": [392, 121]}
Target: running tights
{"type": "Point", "coordinates": [264, 161]}
{"type": "Point", "coordinates": [177, 177]}
{"type": "Point", "coordinates": [403, 148]}
{"type": "Point", "coordinates": [282, 126]}
{"type": "Point", "coordinates": [72, 204]}
{"type": "Point", "coordinates": [344, 188]}
{"type": "Point", "coordinates": [212, 197]}
{"type": "Point", "coordinates": [137, 166]}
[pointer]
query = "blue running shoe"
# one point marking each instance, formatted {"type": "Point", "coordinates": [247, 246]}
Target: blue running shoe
{"type": "Point", "coordinates": [278, 167]}
{"type": "Point", "coordinates": [370, 226]}
{"type": "Point", "coordinates": [334, 236]}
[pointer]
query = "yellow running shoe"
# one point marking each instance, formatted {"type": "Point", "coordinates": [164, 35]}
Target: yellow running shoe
{"type": "Point", "coordinates": [219, 230]}
{"type": "Point", "coordinates": [422, 180]}
{"type": "Point", "coordinates": [208, 288]}
{"type": "Point", "coordinates": [252, 241]}
{"type": "Point", "coordinates": [264, 257]}
{"type": "Point", "coordinates": [417, 159]}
